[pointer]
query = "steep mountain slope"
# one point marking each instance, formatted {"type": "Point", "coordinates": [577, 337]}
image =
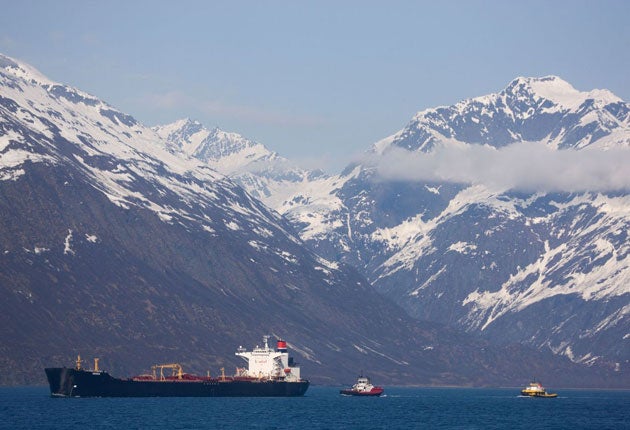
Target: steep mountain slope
{"type": "Point", "coordinates": [114, 245]}
{"type": "Point", "coordinates": [548, 269]}
{"type": "Point", "coordinates": [545, 268]}
{"type": "Point", "coordinates": [305, 197]}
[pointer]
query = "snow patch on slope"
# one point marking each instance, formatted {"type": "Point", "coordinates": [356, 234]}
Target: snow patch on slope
{"type": "Point", "coordinates": [570, 261]}
{"type": "Point", "coordinates": [562, 93]}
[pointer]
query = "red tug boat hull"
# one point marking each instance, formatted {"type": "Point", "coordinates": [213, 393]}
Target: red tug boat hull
{"type": "Point", "coordinates": [363, 387]}
{"type": "Point", "coordinates": [376, 391]}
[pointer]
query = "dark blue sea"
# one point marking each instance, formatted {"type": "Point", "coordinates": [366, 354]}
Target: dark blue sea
{"type": "Point", "coordinates": [323, 408]}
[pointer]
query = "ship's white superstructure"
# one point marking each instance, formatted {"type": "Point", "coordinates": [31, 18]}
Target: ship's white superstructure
{"type": "Point", "coordinates": [266, 363]}
{"type": "Point", "coordinates": [363, 384]}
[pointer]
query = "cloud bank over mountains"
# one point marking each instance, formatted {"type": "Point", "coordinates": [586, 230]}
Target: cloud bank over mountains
{"type": "Point", "coordinates": [531, 167]}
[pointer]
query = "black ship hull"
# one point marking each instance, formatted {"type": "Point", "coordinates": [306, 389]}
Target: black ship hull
{"type": "Point", "coordinates": [65, 382]}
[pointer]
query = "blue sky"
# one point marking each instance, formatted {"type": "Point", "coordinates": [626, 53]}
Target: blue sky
{"type": "Point", "coordinates": [316, 81]}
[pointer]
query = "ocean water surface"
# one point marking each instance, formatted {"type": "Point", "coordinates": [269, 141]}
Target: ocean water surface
{"type": "Point", "coordinates": [323, 408]}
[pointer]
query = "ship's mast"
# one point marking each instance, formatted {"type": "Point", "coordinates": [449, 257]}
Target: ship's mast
{"type": "Point", "coordinates": [266, 342]}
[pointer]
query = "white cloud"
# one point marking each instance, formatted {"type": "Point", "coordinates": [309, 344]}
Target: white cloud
{"type": "Point", "coordinates": [522, 166]}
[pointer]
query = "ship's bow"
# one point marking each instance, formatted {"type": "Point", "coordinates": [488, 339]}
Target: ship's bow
{"type": "Point", "coordinates": [59, 380]}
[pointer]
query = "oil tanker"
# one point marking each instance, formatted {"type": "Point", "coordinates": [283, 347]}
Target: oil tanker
{"type": "Point", "coordinates": [269, 373]}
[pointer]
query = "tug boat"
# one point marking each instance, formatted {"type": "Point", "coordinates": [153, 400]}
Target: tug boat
{"type": "Point", "coordinates": [363, 387]}
{"type": "Point", "coordinates": [270, 373]}
{"type": "Point", "coordinates": [535, 389]}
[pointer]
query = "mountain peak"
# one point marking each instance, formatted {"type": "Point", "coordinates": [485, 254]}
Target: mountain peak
{"type": "Point", "coordinates": [558, 91]}
{"type": "Point", "coordinates": [549, 80]}
{"type": "Point", "coordinates": [212, 145]}
{"type": "Point", "coordinates": [23, 71]}
{"type": "Point", "coordinates": [185, 122]}
{"type": "Point", "coordinates": [184, 125]}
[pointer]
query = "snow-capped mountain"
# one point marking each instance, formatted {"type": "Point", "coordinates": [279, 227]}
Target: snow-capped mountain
{"type": "Point", "coordinates": [263, 173]}
{"type": "Point", "coordinates": [545, 110]}
{"type": "Point", "coordinates": [305, 197]}
{"type": "Point", "coordinates": [114, 243]}
{"type": "Point", "coordinates": [548, 268]}
{"type": "Point", "coordinates": [234, 152]}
